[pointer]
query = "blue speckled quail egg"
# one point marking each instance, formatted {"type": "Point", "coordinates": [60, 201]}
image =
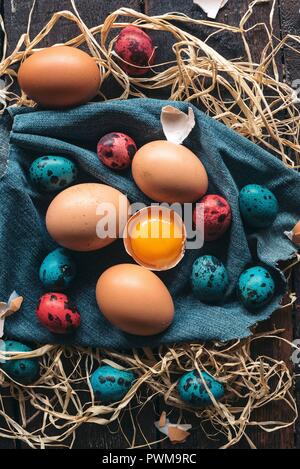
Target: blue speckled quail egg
{"type": "Point", "coordinates": [52, 173]}
{"type": "Point", "coordinates": [57, 270]}
{"type": "Point", "coordinates": [25, 370]}
{"type": "Point", "coordinates": [192, 390]}
{"type": "Point", "coordinates": [209, 279]}
{"type": "Point", "coordinates": [256, 287]}
{"type": "Point", "coordinates": [258, 206]}
{"type": "Point", "coordinates": [110, 384]}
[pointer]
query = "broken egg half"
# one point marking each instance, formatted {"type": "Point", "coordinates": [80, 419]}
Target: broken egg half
{"type": "Point", "coordinates": [155, 237]}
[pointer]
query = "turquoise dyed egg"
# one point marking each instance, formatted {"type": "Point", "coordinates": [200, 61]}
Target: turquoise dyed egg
{"type": "Point", "coordinates": [57, 270]}
{"type": "Point", "coordinates": [258, 206]}
{"type": "Point", "coordinates": [256, 287]}
{"type": "Point", "coordinates": [52, 173]}
{"type": "Point", "coordinates": [192, 390]}
{"type": "Point", "coordinates": [110, 384]}
{"type": "Point", "coordinates": [25, 370]}
{"type": "Point", "coordinates": [209, 279]}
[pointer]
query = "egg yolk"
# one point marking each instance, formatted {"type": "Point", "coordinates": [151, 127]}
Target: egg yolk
{"type": "Point", "coordinates": [157, 241]}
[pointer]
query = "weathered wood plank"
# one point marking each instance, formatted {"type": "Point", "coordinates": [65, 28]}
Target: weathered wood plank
{"type": "Point", "coordinates": [92, 12]}
{"type": "Point", "coordinates": [91, 436]}
{"type": "Point", "coordinates": [9, 403]}
{"type": "Point", "coordinates": [283, 439]}
{"type": "Point", "coordinates": [229, 46]}
{"type": "Point", "coordinates": [290, 24]}
{"type": "Point", "coordinates": [10, 409]}
{"type": "Point", "coordinates": [16, 21]}
{"type": "Point", "coordinates": [297, 339]}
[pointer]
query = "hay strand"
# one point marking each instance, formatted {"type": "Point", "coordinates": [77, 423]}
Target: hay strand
{"type": "Point", "coordinates": [247, 97]}
{"type": "Point", "coordinates": [62, 398]}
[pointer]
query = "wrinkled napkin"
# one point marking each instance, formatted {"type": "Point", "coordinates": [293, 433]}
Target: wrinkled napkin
{"type": "Point", "coordinates": [231, 161]}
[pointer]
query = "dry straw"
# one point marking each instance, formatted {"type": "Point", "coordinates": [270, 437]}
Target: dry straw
{"type": "Point", "coordinates": [62, 400]}
{"type": "Point", "coordinates": [245, 96]}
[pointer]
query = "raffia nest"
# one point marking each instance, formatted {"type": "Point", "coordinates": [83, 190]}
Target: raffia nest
{"type": "Point", "coordinates": [261, 108]}
{"type": "Point", "coordinates": [61, 401]}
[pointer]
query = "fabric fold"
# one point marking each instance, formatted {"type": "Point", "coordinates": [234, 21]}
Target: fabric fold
{"type": "Point", "coordinates": [231, 162]}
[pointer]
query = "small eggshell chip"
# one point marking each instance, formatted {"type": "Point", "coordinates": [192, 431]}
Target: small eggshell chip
{"type": "Point", "coordinates": [169, 172]}
{"type": "Point", "coordinates": [59, 76]}
{"type": "Point", "coordinates": [135, 300]}
{"type": "Point", "coordinates": [87, 217]}
{"type": "Point", "coordinates": [155, 238]}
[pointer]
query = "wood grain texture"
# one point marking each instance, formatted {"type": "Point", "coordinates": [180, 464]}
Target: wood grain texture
{"type": "Point", "coordinates": [94, 11]}
{"type": "Point", "coordinates": [227, 43]}
{"type": "Point", "coordinates": [297, 339]}
{"type": "Point", "coordinates": [230, 47]}
{"type": "Point", "coordinates": [93, 436]}
{"type": "Point", "coordinates": [283, 439]}
{"type": "Point", "coordinates": [290, 24]}
{"type": "Point", "coordinates": [9, 403]}
{"type": "Point", "coordinates": [11, 410]}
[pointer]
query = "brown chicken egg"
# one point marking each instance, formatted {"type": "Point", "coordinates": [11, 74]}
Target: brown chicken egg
{"type": "Point", "coordinates": [87, 217]}
{"type": "Point", "coordinates": [59, 76]}
{"type": "Point", "coordinates": [134, 300]}
{"type": "Point", "coordinates": [155, 238]}
{"type": "Point", "coordinates": [296, 234]}
{"type": "Point", "coordinates": [169, 172]}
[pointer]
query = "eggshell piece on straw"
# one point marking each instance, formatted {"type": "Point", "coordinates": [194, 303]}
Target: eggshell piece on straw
{"type": "Point", "coordinates": [176, 435]}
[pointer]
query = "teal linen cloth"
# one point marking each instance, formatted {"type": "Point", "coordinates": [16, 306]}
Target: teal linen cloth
{"type": "Point", "coordinates": [231, 162]}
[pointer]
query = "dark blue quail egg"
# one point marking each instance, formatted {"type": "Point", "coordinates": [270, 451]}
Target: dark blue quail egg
{"type": "Point", "coordinates": [209, 279]}
{"type": "Point", "coordinates": [193, 392]}
{"type": "Point", "coordinates": [57, 270]}
{"type": "Point", "coordinates": [24, 370]}
{"type": "Point", "coordinates": [52, 173]}
{"type": "Point", "coordinates": [256, 287]}
{"type": "Point", "coordinates": [110, 384]}
{"type": "Point", "coordinates": [258, 206]}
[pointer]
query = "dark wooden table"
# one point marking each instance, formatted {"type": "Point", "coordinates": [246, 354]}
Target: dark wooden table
{"type": "Point", "coordinates": [286, 20]}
